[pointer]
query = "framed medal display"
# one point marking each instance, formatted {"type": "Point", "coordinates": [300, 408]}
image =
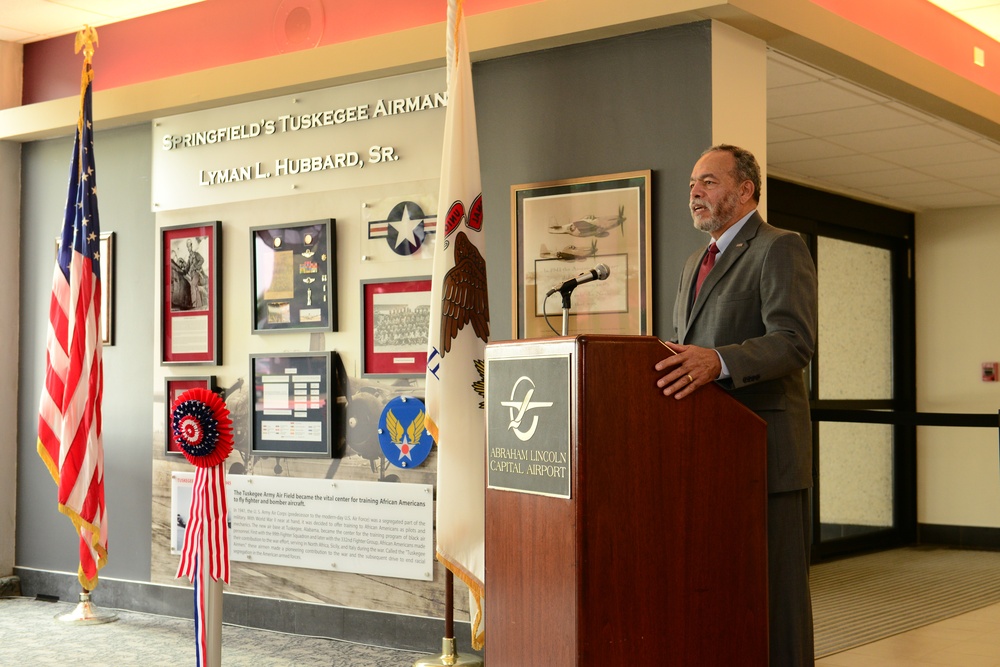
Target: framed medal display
{"type": "Point", "coordinates": [294, 279]}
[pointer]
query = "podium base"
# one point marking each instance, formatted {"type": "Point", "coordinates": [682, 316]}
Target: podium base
{"type": "Point", "coordinates": [86, 613]}
{"type": "Point", "coordinates": [449, 657]}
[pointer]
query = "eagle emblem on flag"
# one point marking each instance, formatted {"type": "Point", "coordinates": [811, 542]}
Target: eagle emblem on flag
{"type": "Point", "coordinates": [463, 295]}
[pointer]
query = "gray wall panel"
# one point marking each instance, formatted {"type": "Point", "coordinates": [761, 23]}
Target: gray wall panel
{"type": "Point", "coordinates": [636, 102]}
{"type": "Point", "coordinates": [45, 538]}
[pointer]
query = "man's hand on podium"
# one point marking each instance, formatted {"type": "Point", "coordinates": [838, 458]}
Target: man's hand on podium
{"type": "Point", "coordinates": [688, 368]}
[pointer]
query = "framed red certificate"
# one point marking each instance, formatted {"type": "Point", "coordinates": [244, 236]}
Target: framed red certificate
{"type": "Point", "coordinates": [190, 307]}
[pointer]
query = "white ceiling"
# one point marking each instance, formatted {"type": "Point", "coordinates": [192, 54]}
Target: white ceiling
{"type": "Point", "coordinates": [823, 131]}
{"type": "Point", "coordinates": [32, 20]}
{"type": "Point", "coordinates": [830, 133]}
{"type": "Point", "coordinates": [984, 15]}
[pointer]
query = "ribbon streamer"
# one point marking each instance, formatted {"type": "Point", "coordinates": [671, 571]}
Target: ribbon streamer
{"type": "Point", "coordinates": [202, 428]}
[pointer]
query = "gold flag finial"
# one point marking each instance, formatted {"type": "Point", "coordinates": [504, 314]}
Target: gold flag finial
{"type": "Point", "coordinates": [86, 39]}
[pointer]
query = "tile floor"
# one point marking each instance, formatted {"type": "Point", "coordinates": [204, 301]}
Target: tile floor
{"type": "Point", "coordinates": [969, 640]}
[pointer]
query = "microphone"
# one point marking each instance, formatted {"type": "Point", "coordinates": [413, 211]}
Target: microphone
{"type": "Point", "coordinates": [599, 272]}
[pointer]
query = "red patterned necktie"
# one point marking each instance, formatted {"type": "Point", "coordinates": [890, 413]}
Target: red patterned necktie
{"type": "Point", "coordinates": [706, 266]}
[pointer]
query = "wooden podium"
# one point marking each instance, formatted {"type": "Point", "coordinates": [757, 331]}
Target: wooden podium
{"type": "Point", "coordinates": [622, 527]}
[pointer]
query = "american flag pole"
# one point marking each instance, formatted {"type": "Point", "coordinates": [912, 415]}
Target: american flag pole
{"type": "Point", "coordinates": [69, 418]}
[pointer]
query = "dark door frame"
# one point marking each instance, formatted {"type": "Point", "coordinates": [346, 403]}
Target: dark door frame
{"type": "Point", "coordinates": [814, 213]}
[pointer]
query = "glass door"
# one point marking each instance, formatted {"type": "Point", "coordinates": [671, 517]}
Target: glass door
{"type": "Point", "coordinates": [862, 382]}
{"type": "Point", "coordinates": [854, 363]}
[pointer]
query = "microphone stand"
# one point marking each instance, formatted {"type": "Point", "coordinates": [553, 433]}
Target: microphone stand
{"type": "Point", "coordinates": [600, 272]}
{"type": "Point", "coordinates": [566, 292]}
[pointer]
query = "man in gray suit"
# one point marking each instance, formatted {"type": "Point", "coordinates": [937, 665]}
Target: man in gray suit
{"type": "Point", "coordinates": [745, 317]}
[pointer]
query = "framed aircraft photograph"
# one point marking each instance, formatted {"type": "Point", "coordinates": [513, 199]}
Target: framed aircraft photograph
{"type": "Point", "coordinates": [107, 261]}
{"type": "Point", "coordinates": [595, 229]}
{"type": "Point", "coordinates": [107, 245]}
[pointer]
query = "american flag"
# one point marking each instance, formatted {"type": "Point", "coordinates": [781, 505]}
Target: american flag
{"type": "Point", "coordinates": [69, 417]}
{"type": "Point", "coordinates": [460, 328]}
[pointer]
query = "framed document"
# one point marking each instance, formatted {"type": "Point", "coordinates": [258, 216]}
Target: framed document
{"type": "Point", "coordinates": [292, 401]}
{"type": "Point", "coordinates": [564, 228]}
{"type": "Point", "coordinates": [173, 387]}
{"type": "Point", "coordinates": [294, 281]}
{"type": "Point", "coordinates": [395, 316]}
{"type": "Point", "coordinates": [107, 248]}
{"type": "Point", "coordinates": [190, 299]}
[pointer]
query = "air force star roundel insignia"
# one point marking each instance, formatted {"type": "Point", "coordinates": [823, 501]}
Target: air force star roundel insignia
{"type": "Point", "coordinates": [405, 229]}
{"type": "Point", "coordinates": [402, 433]}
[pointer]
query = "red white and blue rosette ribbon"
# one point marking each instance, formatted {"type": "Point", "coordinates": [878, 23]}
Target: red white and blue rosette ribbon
{"type": "Point", "coordinates": [200, 425]}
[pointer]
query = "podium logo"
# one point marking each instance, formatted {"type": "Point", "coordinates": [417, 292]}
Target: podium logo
{"type": "Point", "coordinates": [520, 407]}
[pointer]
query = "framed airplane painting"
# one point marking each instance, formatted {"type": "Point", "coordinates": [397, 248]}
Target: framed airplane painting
{"type": "Point", "coordinates": [564, 228]}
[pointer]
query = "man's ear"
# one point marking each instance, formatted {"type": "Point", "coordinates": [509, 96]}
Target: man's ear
{"type": "Point", "coordinates": [746, 191]}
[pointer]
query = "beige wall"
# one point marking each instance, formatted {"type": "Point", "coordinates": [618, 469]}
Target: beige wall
{"type": "Point", "coordinates": [739, 94]}
{"type": "Point", "coordinates": [10, 74]}
{"type": "Point", "coordinates": [10, 206]}
{"type": "Point", "coordinates": [958, 328]}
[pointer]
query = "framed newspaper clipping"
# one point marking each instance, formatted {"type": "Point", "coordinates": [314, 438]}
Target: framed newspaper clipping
{"type": "Point", "coordinates": [292, 401]}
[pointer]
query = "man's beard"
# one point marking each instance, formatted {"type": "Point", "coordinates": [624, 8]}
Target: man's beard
{"type": "Point", "coordinates": [722, 213]}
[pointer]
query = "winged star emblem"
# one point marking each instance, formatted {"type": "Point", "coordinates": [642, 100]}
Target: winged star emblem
{"type": "Point", "coordinates": [404, 438]}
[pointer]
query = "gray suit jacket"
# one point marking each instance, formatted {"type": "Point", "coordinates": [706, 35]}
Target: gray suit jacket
{"type": "Point", "coordinates": [757, 307]}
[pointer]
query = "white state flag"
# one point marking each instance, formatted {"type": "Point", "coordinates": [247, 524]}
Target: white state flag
{"type": "Point", "coordinates": [459, 330]}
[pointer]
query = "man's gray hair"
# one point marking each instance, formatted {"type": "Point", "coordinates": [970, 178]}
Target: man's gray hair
{"type": "Point", "coordinates": [746, 169]}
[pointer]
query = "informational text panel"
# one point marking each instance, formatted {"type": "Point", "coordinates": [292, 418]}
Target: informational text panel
{"type": "Point", "coordinates": [377, 528]}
